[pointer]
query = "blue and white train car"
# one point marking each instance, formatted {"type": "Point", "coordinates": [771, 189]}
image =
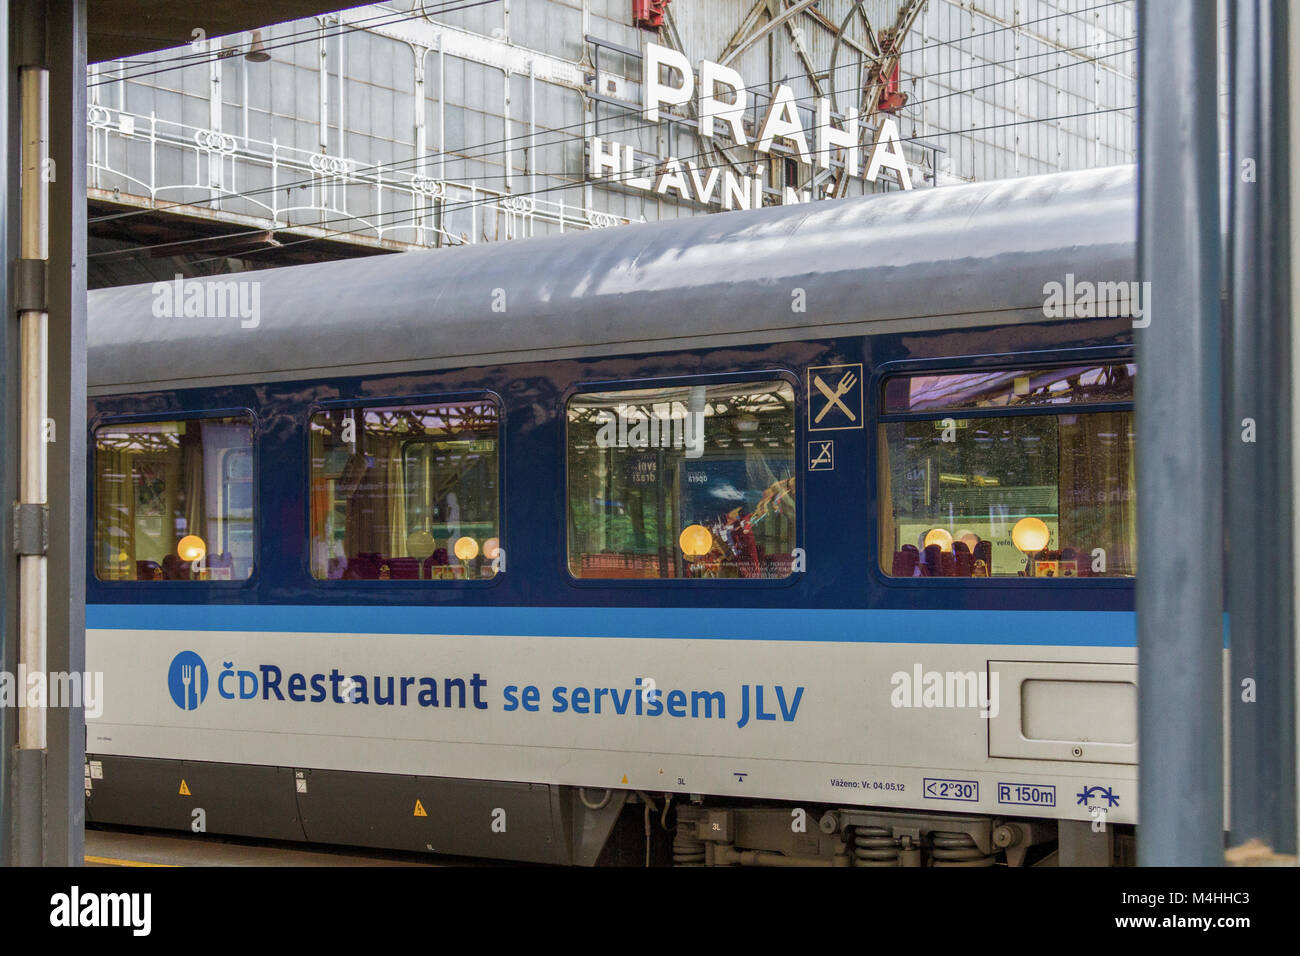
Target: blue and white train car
{"type": "Point", "coordinates": [814, 522]}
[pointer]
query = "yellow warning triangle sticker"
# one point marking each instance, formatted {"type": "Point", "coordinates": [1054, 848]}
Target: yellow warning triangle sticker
{"type": "Point", "coordinates": [419, 809]}
{"type": "Point", "coordinates": [625, 778]}
{"type": "Point", "coordinates": [185, 791]}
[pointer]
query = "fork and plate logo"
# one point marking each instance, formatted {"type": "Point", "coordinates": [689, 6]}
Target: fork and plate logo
{"type": "Point", "coordinates": [187, 679]}
{"type": "Point", "coordinates": [834, 397]}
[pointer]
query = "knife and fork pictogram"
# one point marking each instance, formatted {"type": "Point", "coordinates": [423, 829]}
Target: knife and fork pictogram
{"type": "Point", "coordinates": [847, 382]}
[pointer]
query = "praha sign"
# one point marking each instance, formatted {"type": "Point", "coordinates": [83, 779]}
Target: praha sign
{"type": "Point", "coordinates": [725, 187]}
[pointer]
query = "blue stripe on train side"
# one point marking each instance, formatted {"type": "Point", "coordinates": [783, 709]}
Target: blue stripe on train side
{"type": "Point", "coordinates": [1040, 628]}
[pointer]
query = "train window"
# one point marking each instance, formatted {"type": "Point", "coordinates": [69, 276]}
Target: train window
{"type": "Point", "coordinates": [174, 500]}
{"type": "Point", "coordinates": [1044, 495]}
{"type": "Point", "coordinates": [405, 492]}
{"type": "Point", "coordinates": [999, 388]}
{"type": "Point", "coordinates": [686, 482]}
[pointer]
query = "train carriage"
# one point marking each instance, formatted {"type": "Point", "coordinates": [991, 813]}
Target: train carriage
{"type": "Point", "coordinates": [816, 521]}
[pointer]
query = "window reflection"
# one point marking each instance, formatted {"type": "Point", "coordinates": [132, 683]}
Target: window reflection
{"type": "Point", "coordinates": [1011, 388]}
{"type": "Point", "coordinates": [174, 500]}
{"type": "Point", "coordinates": [405, 492]}
{"type": "Point", "coordinates": [687, 482]}
{"type": "Point", "coordinates": [1046, 496]}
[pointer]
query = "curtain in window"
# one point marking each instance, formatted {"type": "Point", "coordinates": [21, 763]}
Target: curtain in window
{"type": "Point", "coordinates": [114, 514]}
{"type": "Point", "coordinates": [372, 484]}
{"type": "Point", "coordinates": [197, 520]}
{"type": "Point", "coordinates": [1098, 488]}
{"type": "Point", "coordinates": [321, 535]}
{"type": "Point", "coordinates": [356, 487]}
{"type": "Point", "coordinates": [885, 498]}
{"type": "Point", "coordinates": [396, 496]}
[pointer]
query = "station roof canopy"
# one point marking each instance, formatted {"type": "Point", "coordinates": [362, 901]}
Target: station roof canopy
{"type": "Point", "coordinates": [119, 28]}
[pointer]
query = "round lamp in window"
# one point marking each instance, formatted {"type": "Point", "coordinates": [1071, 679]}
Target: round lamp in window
{"type": "Point", "coordinates": [419, 544]}
{"type": "Point", "coordinates": [191, 548]}
{"type": "Point", "coordinates": [491, 548]}
{"type": "Point", "coordinates": [1030, 535]}
{"type": "Point", "coordinates": [970, 538]}
{"type": "Point", "coordinates": [937, 536]}
{"type": "Point", "coordinates": [466, 548]}
{"type": "Point", "coordinates": [695, 540]}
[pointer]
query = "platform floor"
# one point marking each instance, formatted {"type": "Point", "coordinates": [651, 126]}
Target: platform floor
{"type": "Point", "coordinates": [152, 848]}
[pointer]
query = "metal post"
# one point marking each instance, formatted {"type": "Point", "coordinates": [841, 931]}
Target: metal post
{"type": "Point", "coordinates": [1180, 476]}
{"type": "Point", "coordinates": [33, 245]}
{"type": "Point", "coordinates": [8, 467]}
{"type": "Point", "coordinates": [324, 86]}
{"type": "Point", "coordinates": [442, 112]}
{"type": "Point", "coordinates": [1280, 154]}
{"type": "Point", "coordinates": [44, 617]}
{"type": "Point", "coordinates": [508, 126]}
{"type": "Point", "coordinates": [1292, 116]}
{"type": "Point", "coordinates": [420, 55]}
{"type": "Point", "coordinates": [1257, 435]}
{"type": "Point", "coordinates": [532, 128]}
{"type": "Point", "coordinates": [65, 808]}
{"type": "Point", "coordinates": [216, 158]}
{"type": "Point", "coordinates": [343, 97]}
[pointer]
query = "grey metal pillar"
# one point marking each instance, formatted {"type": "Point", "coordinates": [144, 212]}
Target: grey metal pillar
{"type": "Point", "coordinates": [8, 438]}
{"type": "Point", "coordinates": [66, 290]}
{"type": "Point", "coordinates": [45, 805]}
{"type": "Point", "coordinates": [1180, 463]}
{"type": "Point", "coordinates": [1292, 118]}
{"type": "Point", "coordinates": [1257, 346]}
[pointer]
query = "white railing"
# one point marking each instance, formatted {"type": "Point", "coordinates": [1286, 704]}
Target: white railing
{"type": "Point", "coordinates": [153, 162]}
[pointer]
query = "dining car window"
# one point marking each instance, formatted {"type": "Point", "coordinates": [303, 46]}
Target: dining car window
{"type": "Point", "coordinates": [683, 482]}
{"type": "Point", "coordinates": [1003, 474]}
{"type": "Point", "coordinates": [405, 492]}
{"type": "Point", "coordinates": [174, 500]}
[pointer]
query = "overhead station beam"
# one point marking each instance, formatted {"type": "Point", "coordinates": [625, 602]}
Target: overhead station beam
{"type": "Point", "coordinates": [119, 28]}
{"type": "Point", "coordinates": [1180, 450]}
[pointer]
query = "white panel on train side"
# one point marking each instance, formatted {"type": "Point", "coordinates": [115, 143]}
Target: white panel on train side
{"type": "Point", "coordinates": [837, 723]}
{"type": "Point", "coordinates": [1063, 710]}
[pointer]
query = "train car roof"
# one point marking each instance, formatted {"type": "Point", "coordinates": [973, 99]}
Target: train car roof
{"type": "Point", "coordinates": [926, 258]}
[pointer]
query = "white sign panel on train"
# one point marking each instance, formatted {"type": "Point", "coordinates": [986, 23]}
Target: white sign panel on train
{"type": "Point", "coordinates": [711, 185]}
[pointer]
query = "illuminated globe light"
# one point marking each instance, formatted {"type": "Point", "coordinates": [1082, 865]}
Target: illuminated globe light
{"type": "Point", "coordinates": [695, 540]}
{"type": "Point", "coordinates": [123, 557]}
{"type": "Point", "coordinates": [419, 544]}
{"type": "Point", "coordinates": [970, 538]}
{"type": "Point", "coordinates": [466, 548]}
{"type": "Point", "coordinates": [937, 536]}
{"type": "Point", "coordinates": [1030, 535]}
{"type": "Point", "coordinates": [491, 548]}
{"type": "Point", "coordinates": [191, 548]}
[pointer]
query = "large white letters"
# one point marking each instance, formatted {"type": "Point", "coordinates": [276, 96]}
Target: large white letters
{"type": "Point", "coordinates": [782, 120]}
{"type": "Point", "coordinates": [711, 74]}
{"type": "Point", "coordinates": [721, 96]}
{"type": "Point", "coordinates": [658, 94]}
